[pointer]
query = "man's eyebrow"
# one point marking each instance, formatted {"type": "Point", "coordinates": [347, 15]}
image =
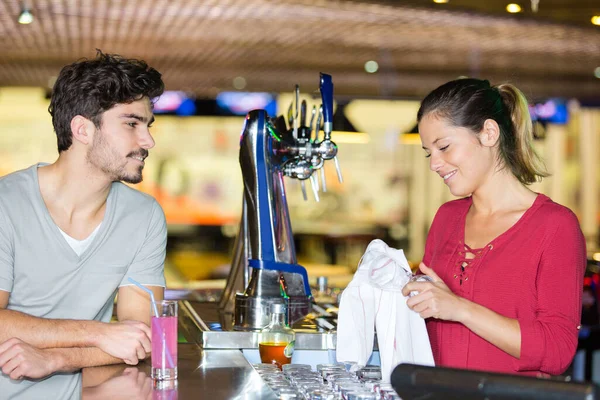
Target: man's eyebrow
{"type": "Point", "coordinates": [138, 117]}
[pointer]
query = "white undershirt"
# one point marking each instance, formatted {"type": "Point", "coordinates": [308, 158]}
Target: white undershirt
{"type": "Point", "coordinates": [79, 246]}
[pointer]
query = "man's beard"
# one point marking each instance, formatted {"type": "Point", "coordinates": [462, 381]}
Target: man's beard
{"type": "Point", "coordinates": [102, 156]}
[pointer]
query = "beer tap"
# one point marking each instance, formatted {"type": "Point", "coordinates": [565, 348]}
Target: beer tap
{"type": "Point", "coordinates": [270, 149]}
{"type": "Point", "coordinates": [306, 155]}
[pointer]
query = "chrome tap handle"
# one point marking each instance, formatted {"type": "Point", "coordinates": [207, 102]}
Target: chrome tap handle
{"type": "Point", "coordinates": [318, 162]}
{"type": "Point", "coordinates": [314, 181]}
{"type": "Point", "coordinates": [297, 93]}
{"type": "Point", "coordinates": [312, 118]}
{"type": "Point", "coordinates": [303, 114]}
{"type": "Point", "coordinates": [338, 169]}
{"type": "Point", "coordinates": [323, 183]}
{"type": "Point", "coordinates": [318, 126]}
{"type": "Point", "coordinates": [290, 116]}
{"type": "Point", "coordinates": [303, 186]}
{"type": "Point", "coordinates": [303, 140]}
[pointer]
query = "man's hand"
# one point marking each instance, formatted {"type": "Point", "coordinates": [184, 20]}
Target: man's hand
{"type": "Point", "coordinates": [127, 340]}
{"type": "Point", "coordinates": [21, 360]}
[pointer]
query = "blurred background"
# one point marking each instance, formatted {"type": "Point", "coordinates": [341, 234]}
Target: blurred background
{"type": "Point", "coordinates": [223, 58]}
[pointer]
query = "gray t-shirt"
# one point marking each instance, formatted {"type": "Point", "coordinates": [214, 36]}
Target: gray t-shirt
{"type": "Point", "coordinates": [47, 279]}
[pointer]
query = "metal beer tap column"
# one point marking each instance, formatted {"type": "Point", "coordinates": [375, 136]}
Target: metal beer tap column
{"type": "Point", "coordinates": [265, 261]}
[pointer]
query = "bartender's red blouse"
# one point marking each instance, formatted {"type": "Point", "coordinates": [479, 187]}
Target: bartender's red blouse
{"type": "Point", "coordinates": [533, 272]}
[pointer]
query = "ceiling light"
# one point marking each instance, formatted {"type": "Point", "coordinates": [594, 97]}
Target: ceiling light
{"type": "Point", "coordinates": [440, 1]}
{"type": "Point", "coordinates": [51, 81]}
{"type": "Point", "coordinates": [350, 137]}
{"type": "Point", "coordinates": [371, 66]}
{"type": "Point", "coordinates": [26, 17]}
{"type": "Point", "coordinates": [410, 138]}
{"type": "Point", "coordinates": [596, 20]}
{"type": "Point", "coordinates": [513, 8]}
{"type": "Point", "coordinates": [597, 72]}
{"type": "Point", "coordinates": [239, 82]}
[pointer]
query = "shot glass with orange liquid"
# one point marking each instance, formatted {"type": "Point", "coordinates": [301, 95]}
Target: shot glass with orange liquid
{"type": "Point", "coordinates": [277, 340]}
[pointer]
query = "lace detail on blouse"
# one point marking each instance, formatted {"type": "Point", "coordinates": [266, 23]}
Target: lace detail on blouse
{"type": "Point", "coordinates": [468, 258]}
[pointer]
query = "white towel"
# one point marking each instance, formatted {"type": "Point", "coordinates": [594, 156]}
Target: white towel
{"type": "Point", "coordinates": [373, 299]}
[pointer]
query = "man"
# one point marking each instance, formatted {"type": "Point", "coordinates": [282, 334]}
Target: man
{"type": "Point", "coordinates": [71, 234]}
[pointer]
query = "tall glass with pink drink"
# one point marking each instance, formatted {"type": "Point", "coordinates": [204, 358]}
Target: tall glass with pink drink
{"type": "Point", "coordinates": [164, 340]}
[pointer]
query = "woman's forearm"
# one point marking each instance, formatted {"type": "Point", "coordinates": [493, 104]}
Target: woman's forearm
{"type": "Point", "coordinates": [502, 332]}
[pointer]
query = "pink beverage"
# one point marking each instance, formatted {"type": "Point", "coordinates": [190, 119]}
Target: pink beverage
{"type": "Point", "coordinates": [168, 394]}
{"type": "Point", "coordinates": [164, 348]}
{"type": "Point", "coordinates": [165, 390]}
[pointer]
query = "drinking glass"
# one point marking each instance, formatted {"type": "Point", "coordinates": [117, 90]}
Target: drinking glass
{"type": "Point", "coordinates": [164, 340]}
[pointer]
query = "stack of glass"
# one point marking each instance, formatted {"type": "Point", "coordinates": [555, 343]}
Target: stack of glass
{"type": "Point", "coordinates": [277, 381]}
{"type": "Point", "coordinates": [328, 382]}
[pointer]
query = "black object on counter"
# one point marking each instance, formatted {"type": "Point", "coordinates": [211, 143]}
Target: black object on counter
{"type": "Point", "coordinates": [413, 382]}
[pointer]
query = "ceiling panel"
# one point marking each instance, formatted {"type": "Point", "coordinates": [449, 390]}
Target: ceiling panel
{"type": "Point", "coordinates": [201, 46]}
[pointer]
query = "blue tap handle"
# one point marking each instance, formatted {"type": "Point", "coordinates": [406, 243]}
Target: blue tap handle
{"type": "Point", "coordinates": [326, 88]}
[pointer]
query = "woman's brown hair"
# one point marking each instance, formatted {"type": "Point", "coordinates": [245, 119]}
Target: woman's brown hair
{"type": "Point", "coordinates": [468, 103]}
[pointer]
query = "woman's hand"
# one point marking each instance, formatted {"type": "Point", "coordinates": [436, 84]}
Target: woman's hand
{"type": "Point", "coordinates": [434, 299]}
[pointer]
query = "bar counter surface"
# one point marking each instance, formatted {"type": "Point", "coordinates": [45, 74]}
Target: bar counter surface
{"type": "Point", "coordinates": [203, 374]}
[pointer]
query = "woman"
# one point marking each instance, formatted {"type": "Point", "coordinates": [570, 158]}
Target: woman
{"type": "Point", "coordinates": [507, 263]}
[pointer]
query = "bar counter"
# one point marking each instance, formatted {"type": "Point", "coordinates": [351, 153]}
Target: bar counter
{"type": "Point", "coordinates": [203, 374]}
{"type": "Point", "coordinates": [210, 365]}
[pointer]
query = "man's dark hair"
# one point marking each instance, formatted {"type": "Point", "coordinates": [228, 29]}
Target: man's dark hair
{"type": "Point", "coordinates": [91, 87]}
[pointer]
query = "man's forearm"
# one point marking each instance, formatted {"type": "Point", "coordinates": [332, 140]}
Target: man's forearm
{"type": "Point", "coordinates": [47, 333]}
{"type": "Point", "coordinates": [75, 358]}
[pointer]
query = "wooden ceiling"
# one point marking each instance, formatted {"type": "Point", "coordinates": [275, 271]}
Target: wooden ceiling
{"type": "Point", "coordinates": [573, 12]}
{"type": "Point", "coordinates": [202, 46]}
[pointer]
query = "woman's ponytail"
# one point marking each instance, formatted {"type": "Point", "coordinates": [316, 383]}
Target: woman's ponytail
{"type": "Point", "coordinates": [517, 150]}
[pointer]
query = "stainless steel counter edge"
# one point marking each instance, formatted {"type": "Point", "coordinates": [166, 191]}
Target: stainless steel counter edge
{"type": "Point", "coordinates": [196, 330]}
{"type": "Point", "coordinates": [249, 340]}
{"type": "Point", "coordinates": [217, 375]}
{"type": "Point", "coordinates": [228, 375]}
